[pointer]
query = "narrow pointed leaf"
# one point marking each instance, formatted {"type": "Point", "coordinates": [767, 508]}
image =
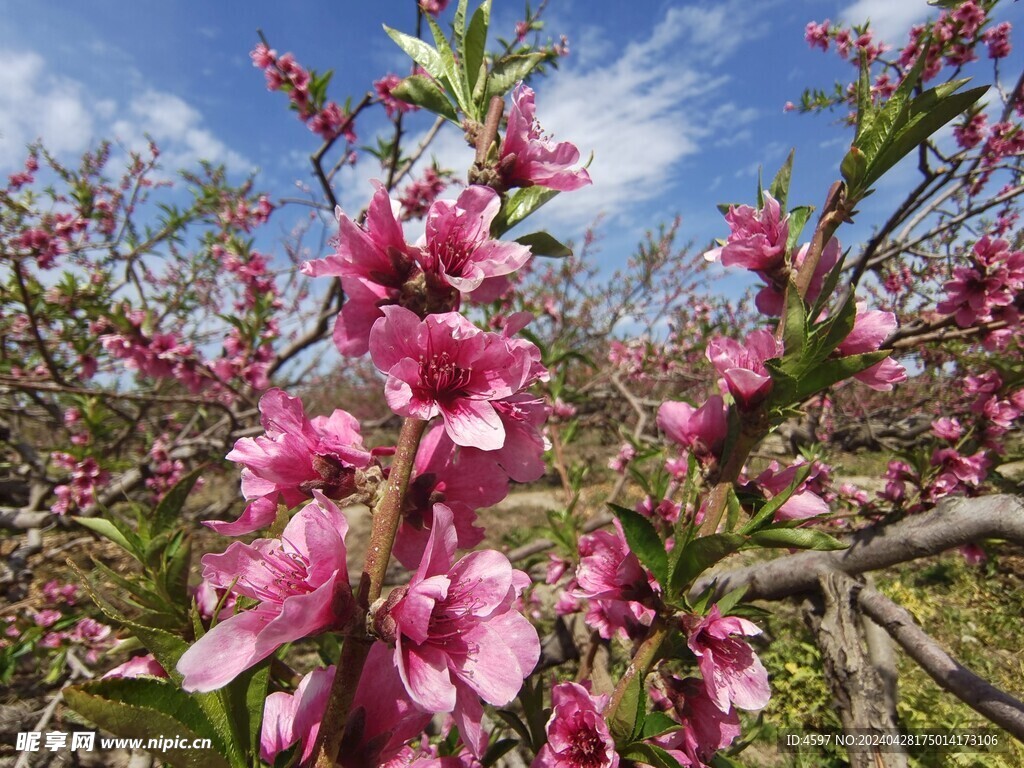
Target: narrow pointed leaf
{"type": "Point", "coordinates": [796, 538]}
{"type": "Point", "coordinates": [770, 507]}
{"type": "Point", "coordinates": [476, 47]}
{"type": "Point", "coordinates": [520, 205]}
{"type": "Point", "coordinates": [426, 93]}
{"type": "Point", "coordinates": [797, 221]}
{"type": "Point", "coordinates": [644, 542]}
{"type": "Point", "coordinates": [419, 51]}
{"type": "Point", "coordinates": [543, 244]}
{"type": "Point", "coordinates": [450, 67]}
{"type": "Point", "coordinates": [699, 555]}
{"type": "Point", "coordinates": [132, 720]}
{"type": "Point", "coordinates": [509, 71]}
{"type": "Point", "coordinates": [168, 511]}
{"type": "Point", "coordinates": [779, 188]}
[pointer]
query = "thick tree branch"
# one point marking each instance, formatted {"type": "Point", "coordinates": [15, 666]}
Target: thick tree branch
{"type": "Point", "coordinates": [980, 695]}
{"type": "Point", "coordinates": [953, 523]}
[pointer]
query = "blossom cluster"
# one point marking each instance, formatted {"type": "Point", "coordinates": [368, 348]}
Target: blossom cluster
{"type": "Point", "coordinates": [987, 288]}
{"type": "Point", "coordinates": [453, 638]}
{"type": "Point", "coordinates": [284, 73]}
{"type": "Point", "coordinates": [58, 627]}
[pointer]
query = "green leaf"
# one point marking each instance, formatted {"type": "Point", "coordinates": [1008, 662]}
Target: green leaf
{"type": "Point", "coordinates": [779, 188]}
{"type": "Point", "coordinates": [699, 555]}
{"type": "Point", "coordinates": [732, 509]}
{"type": "Point", "coordinates": [423, 92]}
{"type": "Point", "coordinates": [828, 288]}
{"type": "Point", "coordinates": [892, 114]}
{"type": "Point", "coordinates": [770, 507]}
{"type": "Point", "coordinates": [865, 105]}
{"type": "Point", "coordinates": [459, 29]}
{"type": "Point", "coordinates": [520, 205]}
{"type": "Point", "coordinates": [139, 589]}
{"type": "Point", "coordinates": [140, 713]}
{"type": "Point", "coordinates": [178, 558]}
{"type": "Point", "coordinates": [497, 750]}
{"type": "Point", "coordinates": [509, 71]}
{"type": "Point", "coordinates": [452, 72]}
{"type": "Point", "coordinates": [166, 647]}
{"type": "Point", "coordinates": [796, 538]}
{"type": "Point", "coordinates": [242, 700]}
{"type": "Point", "coordinates": [794, 336]}
{"type": "Point", "coordinates": [797, 221]}
{"type": "Point", "coordinates": [721, 760]}
{"type": "Point", "coordinates": [928, 114]}
{"type": "Point", "coordinates": [158, 694]}
{"type": "Point", "coordinates": [828, 372]}
{"type": "Point", "coordinates": [628, 719]}
{"type": "Point", "coordinates": [476, 47]}
{"type": "Point", "coordinates": [644, 541]}
{"type": "Point", "coordinates": [419, 51]}
{"type": "Point", "coordinates": [108, 530]}
{"type": "Point", "coordinates": [730, 599]}
{"type": "Point", "coordinates": [854, 169]}
{"type": "Point", "coordinates": [543, 244]}
{"type": "Point", "coordinates": [516, 724]}
{"type": "Point", "coordinates": [827, 336]}
{"type": "Point", "coordinates": [657, 723]}
{"type": "Point", "coordinates": [651, 755]}
{"type": "Point", "coordinates": [168, 512]}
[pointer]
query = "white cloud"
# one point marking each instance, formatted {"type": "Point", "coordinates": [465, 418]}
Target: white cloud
{"type": "Point", "coordinates": [641, 113]}
{"type": "Point", "coordinates": [176, 127]}
{"type": "Point", "coordinates": [646, 111]}
{"type": "Point", "coordinates": [37, 104]}
{"type": "Point", "coordinates": [890, 19]}
{"type": "Point", "coordinates": [33, 104]}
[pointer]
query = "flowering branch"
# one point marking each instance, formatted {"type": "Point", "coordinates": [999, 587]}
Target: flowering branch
{"type": "Point", "coordinates": [386, 517]}
{"type": "Point", "coordinates": [980, 695]}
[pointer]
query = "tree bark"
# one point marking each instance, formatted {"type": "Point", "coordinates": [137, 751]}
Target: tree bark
{"type": "Point", "coordinates": [953, 523]}
{"type": "Point", "coordinates": [857, 687]}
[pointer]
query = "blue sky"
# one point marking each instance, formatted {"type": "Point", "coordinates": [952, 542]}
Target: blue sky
{"type": "Point", "coordinates": [680, 101]}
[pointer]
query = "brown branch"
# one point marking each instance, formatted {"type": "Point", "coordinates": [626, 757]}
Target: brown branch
{"type": "Point", "coordinates": [977, 693]}
{"type": "Point", "coordinates": [33, 322]}
{"type": "Point", "coordinates": [955, 522]}
{"type": "Point", "coordinates": [386, 517]}
{"type": "Point", "coordinates": [641, 423]}
{"type": "Point", "coordinates": [425, 142]}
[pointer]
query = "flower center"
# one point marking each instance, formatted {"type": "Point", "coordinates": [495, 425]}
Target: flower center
{"type": "Point", "coordinates": [587, 750]}
{"type": "Point", "coordinates": [442, 374]}
{"type": "Point", "coordinates": [454, 251]}
{"type": "Point", "coordinates": [286, 576]}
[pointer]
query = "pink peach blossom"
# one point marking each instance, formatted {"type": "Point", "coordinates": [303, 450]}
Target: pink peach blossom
{"type": "Point", "coordinates": [137, 666]}
{"type": "Point", "coordinates": [457, 637]}
{"type": "Point", "coordinates": [742, 365]}
{"type": "Point", "coordinates": [290, 718]}
{"type": "Point", "coordinates": [464, 480]}
{"type": "Point", "coordinates": [702, 430]}
{"type": "Point", "coordinates": [870, 330]}
{"type": "Point", "coordinates": [706, 729]}
{"type": "Point", "coordinates": [757, 239]}
{"type": "Point", "coordinates": [444, 365]}
{"type": "Point", "coordinates": [530, 158]}
{"type": "Point", "coordinates": [457, 246]}
{"type": "Point", "coordinates": [578, 735]}
{"type": "Point", "coordinates": [733, 675]}
{"type": "Point", "coordinates": [300, 582]}
{"type": "Point", "coordinates": [294, 457]}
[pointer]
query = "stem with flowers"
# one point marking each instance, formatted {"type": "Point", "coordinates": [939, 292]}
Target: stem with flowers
{"type": "Point", "coordinates": [473, 361]}
{"type": "Point", "coordinates": [386, 517]}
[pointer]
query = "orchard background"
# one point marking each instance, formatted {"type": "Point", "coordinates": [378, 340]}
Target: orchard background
{"type": "Point", "coordinates": [591, 405]}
